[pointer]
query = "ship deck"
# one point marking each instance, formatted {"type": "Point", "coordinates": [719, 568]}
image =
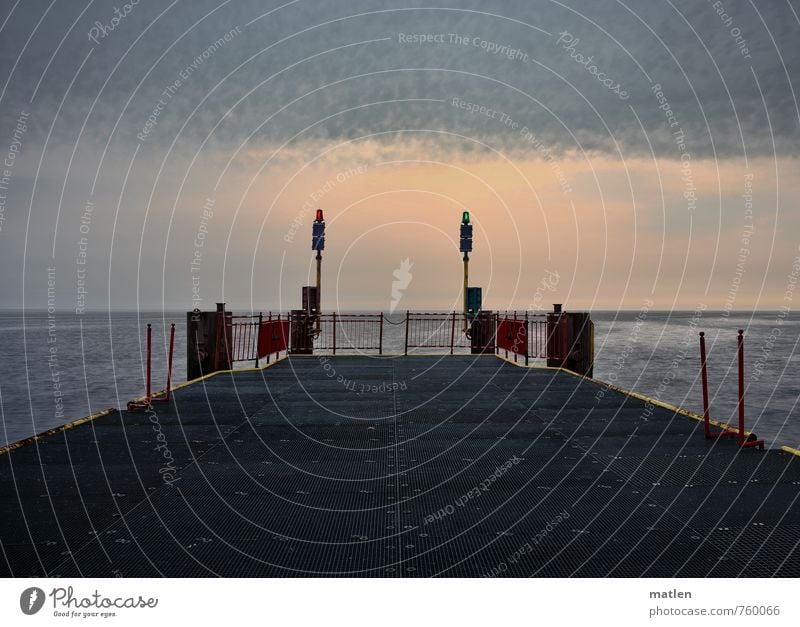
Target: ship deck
{"type": "Point", "coordinates": [418, 466]}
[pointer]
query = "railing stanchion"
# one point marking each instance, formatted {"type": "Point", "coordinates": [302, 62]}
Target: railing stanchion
{"type": "Point", "coordinates": [258, 334]}
{"type": "Point", "coordinates": [704, 379]}
{"type": "Point", "coordinates": [453, 332]}
{"type": "Point", "coordinates": [514, 327]}
{"type": "Point", "coordinates": [744, 440]}
{"type": "Point", "coordinates": [407, 325]}
{"type": "Point", "coordinates": [149, 355]}
{"type": "Point", "coordinates": [380, 336]}
{"type": "Point", "coordinates": [740, 347]}
{"type": "Point", "coordinates": [527, 339]}
{"type": "Point", "coordinates": [169, 359]}
{"type": "Point", "coordinates": [334, 332]}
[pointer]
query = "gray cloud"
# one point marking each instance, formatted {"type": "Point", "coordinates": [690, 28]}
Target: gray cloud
{"type": "Point", "coordinates": [287, 71]}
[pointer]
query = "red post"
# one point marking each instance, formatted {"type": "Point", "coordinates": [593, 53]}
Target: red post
{"type": "Point", "coordinates": [169, 358]}
{"type": "Point", "coordinates": [334, 332]}
{"type": "Point", "coordinates": [704, 377]}
{"type": "Point", "coordinates": [751, 440]}
{"type": "Point", "coordinates": [740, 342]}
{"type": "Point", "coordinates": [149, 353]}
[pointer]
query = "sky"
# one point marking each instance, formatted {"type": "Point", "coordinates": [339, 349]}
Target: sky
{"type": "Point", "coordinates": [165, 155]}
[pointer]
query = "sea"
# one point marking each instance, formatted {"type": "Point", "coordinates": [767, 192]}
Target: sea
{"type": "Point", "coordinates": [57, 367]}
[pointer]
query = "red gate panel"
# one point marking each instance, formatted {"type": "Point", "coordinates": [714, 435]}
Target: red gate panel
{"type": "Point", "coordinates": [512, 335]}
{"type": "Point", "coordinates": [273, 337]}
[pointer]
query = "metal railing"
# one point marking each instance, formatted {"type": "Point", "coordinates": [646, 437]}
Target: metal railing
{"type": "Point", "coordinates": [253, 337]}
{"type": "Point", "coordinates": [523, 334]}
{"type": "Point", "coordinates": [244, 330]}
{"type": "Point", "coordinates": [350, 332]}
{"type": "Point", "coordinates": [436, 330]}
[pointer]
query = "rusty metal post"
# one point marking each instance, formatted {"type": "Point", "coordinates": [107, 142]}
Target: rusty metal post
{"type": "Point", "coordinates": [704, 378]}
{"type": "Point", "coordinates": [149, 355]}
{"type": "Point", "coordinates": [749, 440]}
{"type": "Point", "coordinates": [740, 347]}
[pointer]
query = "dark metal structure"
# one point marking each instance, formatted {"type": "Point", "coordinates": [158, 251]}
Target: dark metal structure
{"type": "Point", "coordinates": [397, 467]}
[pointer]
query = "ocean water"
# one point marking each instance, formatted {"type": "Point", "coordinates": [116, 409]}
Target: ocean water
{"type": "Point", "coordinates": [58, 368]}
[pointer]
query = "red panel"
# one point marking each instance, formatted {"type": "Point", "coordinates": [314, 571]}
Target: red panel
{"type": "Point", "coordinates": [273, 337]}
{"type": "Point", "coordinates": [512, 335]}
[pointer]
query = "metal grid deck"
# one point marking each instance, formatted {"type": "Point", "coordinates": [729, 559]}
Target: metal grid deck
{"type": "Point", "coordinates": [368, 466]}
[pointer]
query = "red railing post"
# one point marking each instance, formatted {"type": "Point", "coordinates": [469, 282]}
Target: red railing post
{"type": "Point", "coordinates": [704, 378]}
{"type": "Point", "coordinates": [334, 332]}
{"type": "Point", "coordinates": [740, 347]}
{"type": "Point", "coordinates": [149, 354]}
{"type": "Point", "coordinates": [169, 358]}
{"type": "Point", "coordinates": [750, 440]}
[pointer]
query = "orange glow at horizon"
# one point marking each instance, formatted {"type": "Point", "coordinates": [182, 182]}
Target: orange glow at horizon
{"type": "Point", "coordinates": [615, 232]}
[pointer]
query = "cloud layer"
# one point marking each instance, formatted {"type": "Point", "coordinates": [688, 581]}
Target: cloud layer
{"type": "Point", "coordinates": [309, 71]}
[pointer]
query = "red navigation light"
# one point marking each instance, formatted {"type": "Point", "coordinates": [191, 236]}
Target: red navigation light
{"type": "Point", "coordinates": [319, 215]}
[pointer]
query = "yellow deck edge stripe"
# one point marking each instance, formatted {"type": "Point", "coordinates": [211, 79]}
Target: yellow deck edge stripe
{"type": "Point", "coordinates": [791, 450]}
{"type": "Point", "coordinates": [208, 376]}
{"type": "Point", "coordinates": [60, 429]}
{"type": "Point", "coordinates": [111, 410]}
{"type": "Point", "coordinates": [641, 397]}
